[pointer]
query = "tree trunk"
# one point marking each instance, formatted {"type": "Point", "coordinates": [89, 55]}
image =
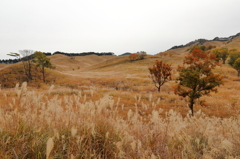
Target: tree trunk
{"type": "Point", "coordinates": [224, 61]}
{"type": "Point", "coordinates": [29, 70]}
{"type": "Point", "coordinates": [43, 73]}
{"type": "Point", "coordinates": [191, 105]}
{"type": "Point", "coordinates": [238, 73]}
{"type": "Point", "coordinates": [159, 88]}
{"type": "Point", "coordinates": [25, 67]}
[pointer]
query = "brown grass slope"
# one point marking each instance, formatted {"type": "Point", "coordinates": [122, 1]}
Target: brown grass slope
{"type": "Point", "coordinates": [215, 43]}
{"type": "Point", "coordinates": [10, 75]}
{"type": "Point", "coordinates": [122, 66]}
{"type": "Point", "coordinates": [113, 65]}
{"type": "Point", "coordinates": [3, 65]}
{"type": "Point", "coordinates": [65, 63]}
{"type": "Point", "coordinates": [234, 43]}
{"type": "Point", "coordinates": [231, 44]}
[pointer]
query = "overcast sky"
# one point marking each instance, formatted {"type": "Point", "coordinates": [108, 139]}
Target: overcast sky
{"type": "Point", "coordinates": [117, 26]}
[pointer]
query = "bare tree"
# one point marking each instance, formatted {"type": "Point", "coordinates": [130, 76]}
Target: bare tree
{"type": "Point", "coordinates": [27, 56]}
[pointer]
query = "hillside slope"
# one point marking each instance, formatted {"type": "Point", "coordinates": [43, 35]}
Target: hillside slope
{"type": "Point", "coordinates": [93, 66]}
{"type": "Point", "coordinates": [2, 65]}
{"type": "Point", "coordinates": [218, 41]}
{"type": "Point", "coordinates": [65, 63]}
{"type": "Point", "coordinates": [233, 44]}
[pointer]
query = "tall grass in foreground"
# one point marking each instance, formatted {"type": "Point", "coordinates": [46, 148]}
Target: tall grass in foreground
{"type": "Point", "coordinates": [38, 125]}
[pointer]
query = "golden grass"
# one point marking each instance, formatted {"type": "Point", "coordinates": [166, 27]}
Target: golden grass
{"type": "Point", "coordinates": [120, 76]}
{"type": "Point", "coordinates": [50, 125]}
{"type": "Point", "coordinates": [65, 63]}
{"type": "Point", "coordinates": [233, 44]}
{"type": "Point", "coordinates": [3, 65]}
{"type": "Point", "coordinates": [214, 43]}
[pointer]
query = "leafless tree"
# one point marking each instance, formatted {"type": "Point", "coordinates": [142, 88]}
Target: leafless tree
{"type": "Point", "coordinates": [27, 56]}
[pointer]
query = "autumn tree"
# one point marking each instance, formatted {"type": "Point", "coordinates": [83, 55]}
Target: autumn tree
{"type": "Point", "coordinates": [42, 62]}
{"type": "Point", "coordinates": [236, 66]}
{"type": "Point", "coordinates": [221, 54]}
{"type": "Point", "coordinates": [196, 77]}
{"type": "Point", "coordinates": [202, 47]}
{"type": "Point", "coordinates": [160, 73]}
{"type": "Point", "coordinates": [233, 61]}
{"type": "Point", "coordinates": [233, 56]}
{"type": "Point", "coordinates": [209, 47]}
{"type": "Point", "coordinates": [141, 54]}
{"type": "Point", "coordinates": [137, 56]}
{"type": "Point", "coordinates": [133, 56]}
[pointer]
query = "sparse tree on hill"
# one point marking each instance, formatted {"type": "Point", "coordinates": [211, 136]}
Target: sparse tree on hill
{"type": "Point", "coordinates": [137, 56]}
{"type": "Point", "coordinates": [233, 56]}
{"type": "Point", "coordinates": [202, 47]}
{"type": "Point", "coordinates": [221, 54]}
{"type": "Point", "coordinates": [210, 47]}
{"type": "Point", "coordinates": [233, 61]}
{"type": "Point", "coordinates": [42, 62]}
{"type": "Point", "coordinates": [160, 73]}
{"type": "Point", "coordinates": [196, 77]}
{"type": "Point", "coordinates": [26, 59]}
{"type": "Point", "coordinates": [133, 57]}
{"type": "Point", "coordinates": [27, 56]}
{"type": "Point", "coordinates": [236, 66]}
{"type": "Point", "coordinates": [142, 55]}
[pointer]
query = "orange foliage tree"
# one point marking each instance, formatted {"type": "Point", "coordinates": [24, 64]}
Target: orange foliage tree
{"type": "Point", "coordinates": [137, 56]}
{"type": "Point", "coordinates": [133, 56]}
{"type": "Point", "coordinates": [202, 47]}
{"type": "Point", "coordinates": [160, 73]}
{"type": "Point", "coordinates": [196, 77]}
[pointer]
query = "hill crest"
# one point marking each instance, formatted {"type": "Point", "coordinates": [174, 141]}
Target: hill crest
{"type": "Point", "coordinates": [202, 41]}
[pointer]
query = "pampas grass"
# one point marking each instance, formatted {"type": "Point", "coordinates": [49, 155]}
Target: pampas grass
{"type": "Point", "coordinates": [50, 89]}
{"type": "Point", "coordinates": [50, 145]}
{"type": "Point", "coordinates": [43, 125]}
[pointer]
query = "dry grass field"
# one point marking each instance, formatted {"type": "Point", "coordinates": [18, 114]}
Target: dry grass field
{"type": "Point", "coordinates": [2, 65]}
{"type": "Point", "coordinates": [108, 107]}
{"type": "Point", "coordinates": [76, 63]}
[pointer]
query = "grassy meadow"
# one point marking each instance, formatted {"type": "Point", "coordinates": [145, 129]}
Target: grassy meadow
{"type": "Point", "coordinates": [108, 107]}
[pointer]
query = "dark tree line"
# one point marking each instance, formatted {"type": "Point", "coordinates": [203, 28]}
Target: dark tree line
{"type": "Point", "coordinates": [12, 61]}
{"type": "Point", "coordinates": [84, 53]}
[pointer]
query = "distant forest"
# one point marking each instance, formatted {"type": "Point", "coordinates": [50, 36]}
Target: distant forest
{"type": "Point", "coordinates": [12, 61]}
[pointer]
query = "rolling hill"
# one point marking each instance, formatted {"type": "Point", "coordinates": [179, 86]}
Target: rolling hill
{"type": "Point", "coordinates": [108, 107]}
{"type": "Point", "coordinates": [65, 63]}
{"type": "Point", "coordinates": [92, 66]}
